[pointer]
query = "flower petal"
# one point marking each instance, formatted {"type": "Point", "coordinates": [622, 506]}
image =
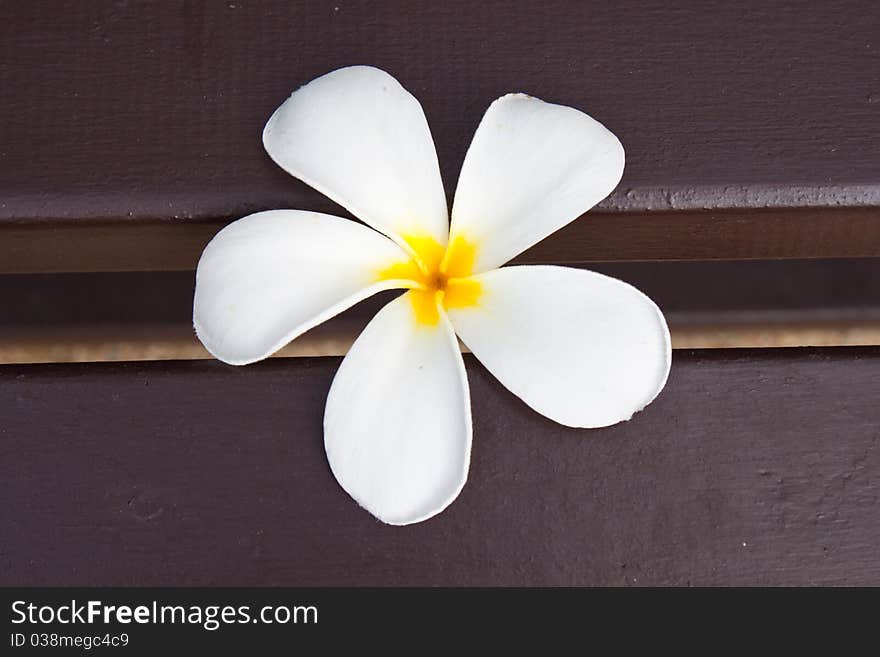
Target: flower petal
{"type": "Point", "coordinates": [583, 349]}
{"type": "Point", "coordinates": [267, 278]}
{"type": "Point", "coordinates": [531, 168]}
{"type": "Point", "coordinates": [397, 426]}
{"type": "Point", "coordinates": [357, 136]}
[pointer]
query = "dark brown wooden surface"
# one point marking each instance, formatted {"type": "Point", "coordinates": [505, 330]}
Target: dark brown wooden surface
{"type": "Point", "coordinates": [148, 116]}
{"type": "Point", "coordinates": [752, 467]}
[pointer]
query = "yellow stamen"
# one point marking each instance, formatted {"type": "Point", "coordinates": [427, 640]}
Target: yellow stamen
{"type": "Point", "coordinates": [439, 277]}
{"type": "Point", "coordinates": [458, 260]}
{"type": "Point", "coordinates": [462, 293]}
{"type": "Point", "coordinates": [428, 252]}
{"type": "Point", "coordinates": [425, 306]}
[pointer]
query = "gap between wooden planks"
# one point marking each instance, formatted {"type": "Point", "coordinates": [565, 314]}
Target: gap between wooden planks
{"type": "Point", "coordinates": [86, 245]}
{"type": "Point", "coordinates": [729, 234]}
{"type": "Point", "coordinates": [110, 344]}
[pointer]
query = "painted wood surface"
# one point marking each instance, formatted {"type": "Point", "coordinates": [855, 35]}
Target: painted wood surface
{"type": "Point", "coordinates": [752, 467]}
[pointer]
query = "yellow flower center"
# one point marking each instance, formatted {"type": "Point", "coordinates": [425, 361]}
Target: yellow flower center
{"type": "Point", "coordinates": [438, 277]}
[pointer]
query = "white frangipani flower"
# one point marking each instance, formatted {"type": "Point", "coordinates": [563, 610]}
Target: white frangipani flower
{"type": "Point", "coordinates": [581, 348]}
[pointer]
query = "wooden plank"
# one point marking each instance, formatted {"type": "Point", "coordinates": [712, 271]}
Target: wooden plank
{"type": "Point", "coordinates": [152, 120]}
{"type": "Point", "coordinates": [752, 467]}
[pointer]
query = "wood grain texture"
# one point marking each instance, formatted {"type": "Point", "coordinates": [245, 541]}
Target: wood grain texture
{"type": "Point", "coordinates": [752, 467]}
{"type": "Point", "coordinates": [148, 115]}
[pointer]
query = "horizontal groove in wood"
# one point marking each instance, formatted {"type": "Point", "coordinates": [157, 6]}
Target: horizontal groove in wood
{"type": "Point", "coordinates": [707, 292]}
{"type": "Point", "coordinates": [161, 343]}
{"type": "Point", "coordinates": [147, 315]}
{"type": "Point", "coordinates": [106, 246]}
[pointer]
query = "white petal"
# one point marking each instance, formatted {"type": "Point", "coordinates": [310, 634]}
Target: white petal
{"type": "Point", "coordinates": [583, 349]}
{"type": "Point", "coordinates": [532, 168]}
{"type": "Point", "coordinates": [271, 276]}
{"type": "Point", "coordinates": [397, 427]}
{"type": "Point", "coordinates": [357, 136]}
